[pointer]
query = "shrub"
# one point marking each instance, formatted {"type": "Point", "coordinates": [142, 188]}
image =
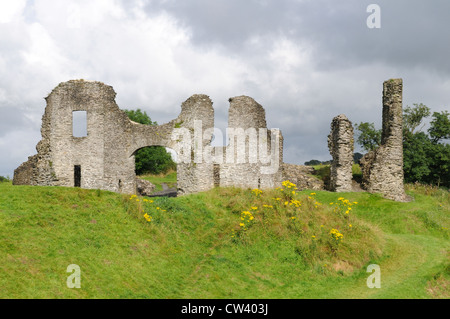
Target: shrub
{"type": "Point", "coordinates": [4, 179]}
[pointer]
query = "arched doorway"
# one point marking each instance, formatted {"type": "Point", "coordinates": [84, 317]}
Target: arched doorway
{"type": "Point", "coordinates": [157, 165]}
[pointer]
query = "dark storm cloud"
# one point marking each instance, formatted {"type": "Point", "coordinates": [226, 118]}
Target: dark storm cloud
{"type": "Point", "coordinates": [229, 23]}
{"type": "Point", "coordinates": [413, 36]}
{"type": "Point", "coordinates": [413, 33]}
{"type": "Point", "coordinates": [305, 61]}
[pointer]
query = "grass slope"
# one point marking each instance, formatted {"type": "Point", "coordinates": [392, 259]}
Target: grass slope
{"type": "Point", "coordinates": [205, 246]}
{"type": "Point", "coordinates": [169, 178]}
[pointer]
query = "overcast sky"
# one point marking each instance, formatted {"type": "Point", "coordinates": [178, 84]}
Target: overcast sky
{"type": "Point", "coordinates": [304, 61]}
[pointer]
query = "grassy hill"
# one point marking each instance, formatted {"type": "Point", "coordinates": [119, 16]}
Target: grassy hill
{"type": "Point", "coordinates": [224, 243]}
{"type": "Point", "coordinates": [169, 178]}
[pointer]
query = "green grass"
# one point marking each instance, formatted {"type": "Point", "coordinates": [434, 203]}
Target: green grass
{"type": "Point", "coordinates": [323, 172]}
{"type": "Point", "coordinates": [170, 178]}
{"type": "Point", "coordinates": [196, 247]}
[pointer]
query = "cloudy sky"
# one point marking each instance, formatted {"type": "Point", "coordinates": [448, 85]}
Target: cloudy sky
{"type": "Point", "coordinates": [305, 61]}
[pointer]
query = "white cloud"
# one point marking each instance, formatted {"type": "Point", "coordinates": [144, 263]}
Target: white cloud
{"type": "Point", "coordinates": [150, 61]}
{"type": "Point", "coordinates": [151, 58]}
{"type": "Point", "coordinates": [11, 10]}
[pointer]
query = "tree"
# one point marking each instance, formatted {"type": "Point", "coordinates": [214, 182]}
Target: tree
{"type": "Point", "coordinates": [426, 158]}
{"type": "Point", "coordinates": [413, 116]}
{"type": "Point", "coordinates": [440, 126]}
{"type": "Point", "coordinates": [152, 159]}
{"type": "Point", "coordinates": [356, 157]}
{"type": "Point", "coordinates": [368, 138]}
{"type": "Point", "coordinates": [313, 162]}
{"type": "Point", "coordinates": [140, 117]}
{"type": "Point", "coordinates": [416, 160]}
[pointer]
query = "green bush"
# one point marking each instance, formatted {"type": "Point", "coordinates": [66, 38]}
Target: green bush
{"type": "Point", "coordinates": [4, 179]}
{"type": "Point", "coordinates": [152, 159]}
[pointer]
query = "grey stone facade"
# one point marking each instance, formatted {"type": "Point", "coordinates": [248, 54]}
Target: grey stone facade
{"type": "Point", "coordinates": [383, 168]}
{"type": "Point", "coordinates": [104, 159]}
{"type": "Point", "coordinates": [341, 146]}
{"type": "Point", "coordinates": [253, 158]}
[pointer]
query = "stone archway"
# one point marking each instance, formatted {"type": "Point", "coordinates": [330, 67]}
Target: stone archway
{"type": "Point", "coordinates": [105, 154]}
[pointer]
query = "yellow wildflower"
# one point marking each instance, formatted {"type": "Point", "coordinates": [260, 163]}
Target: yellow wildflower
{"type": "Point", "coordinates": [257, 192]}
{"type": "Point", "coordinates": [336, 234]}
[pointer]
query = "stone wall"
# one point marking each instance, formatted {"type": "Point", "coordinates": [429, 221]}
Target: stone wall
{"type": "Point", "coordinates": [341, 146]}
{"type": "Point", "coordinates": [249, 142]}
{"type": "Point", "coordinates": [105, 157]}
{"type": "Point", "coordinates": [383, 168]}
{"type": "Point", "coordinates": [302, 176]}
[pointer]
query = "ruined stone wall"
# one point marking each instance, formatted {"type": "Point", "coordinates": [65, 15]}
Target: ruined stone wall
{"type": "Point", "coordinates": [106, 155]}
{"type": "Point", "coordinates": [197, 116]}
{"type": "Point", "coordinates": [24, 174]}
{"type": "Point", "coordinates": [341, 146]}
{"type": "Point", "coordinates": [302, 176]}
{"type": "Point", "coordinates": [253, 156]}
{"type": "Point", "coordinates": [382, 168]}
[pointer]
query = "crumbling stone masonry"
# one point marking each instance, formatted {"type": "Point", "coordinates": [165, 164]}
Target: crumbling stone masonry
{"type": "Point", "coordinates": [104, 158]}
{"type": "Point", "coordinates": [243, 161]}
{"type": "Point", "coordinates": [302, 176]}
{"type": "Point", "coordinates": [382, 168]}
{"type": "Point", "coordinates": [341, 146]}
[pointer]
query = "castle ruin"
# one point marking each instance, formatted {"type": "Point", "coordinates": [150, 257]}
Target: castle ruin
{"type": "Point", "coordinates": [103, 158]}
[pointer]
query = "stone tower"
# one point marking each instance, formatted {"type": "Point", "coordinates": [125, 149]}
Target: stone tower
{"type": "Point", "coordinates": [382, 168]}
{"type": "Point", "coordinates": [340, 144]}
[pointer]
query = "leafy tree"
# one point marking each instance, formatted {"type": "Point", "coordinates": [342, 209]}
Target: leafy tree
{"type": "Point", "coordinates": [416, 160]}
{"type": "Point", "coordinates": [140, 117]}
{"type": "Point", "coordinates": [413, 116]}
{"type": "Point", "coordinates": [426, 158]}
{"type": "Point", "coordinates": [368, 138]}
{"type": "Point", "coordinates": [356, 157]}
{"type": "Point", "coordinates": [440, 165]}
{"type": "Point", "coordinates": [440, 126]}
{"type": "Point", "coordinates": [152, 159]}
{"type": "Point", "coordinates": [313, 162]}
{"type": "Point", "coordinates": [4, 179]}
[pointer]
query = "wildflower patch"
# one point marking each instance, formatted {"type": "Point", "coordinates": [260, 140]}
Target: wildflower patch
{"type": "Point", "coordinates": [286, 212]}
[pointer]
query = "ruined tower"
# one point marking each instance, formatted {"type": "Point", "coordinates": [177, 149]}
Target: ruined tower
{"type": "Point", "coordinates": [382, 168]}
{"type": "Point", "coordinates": [341, 145]}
